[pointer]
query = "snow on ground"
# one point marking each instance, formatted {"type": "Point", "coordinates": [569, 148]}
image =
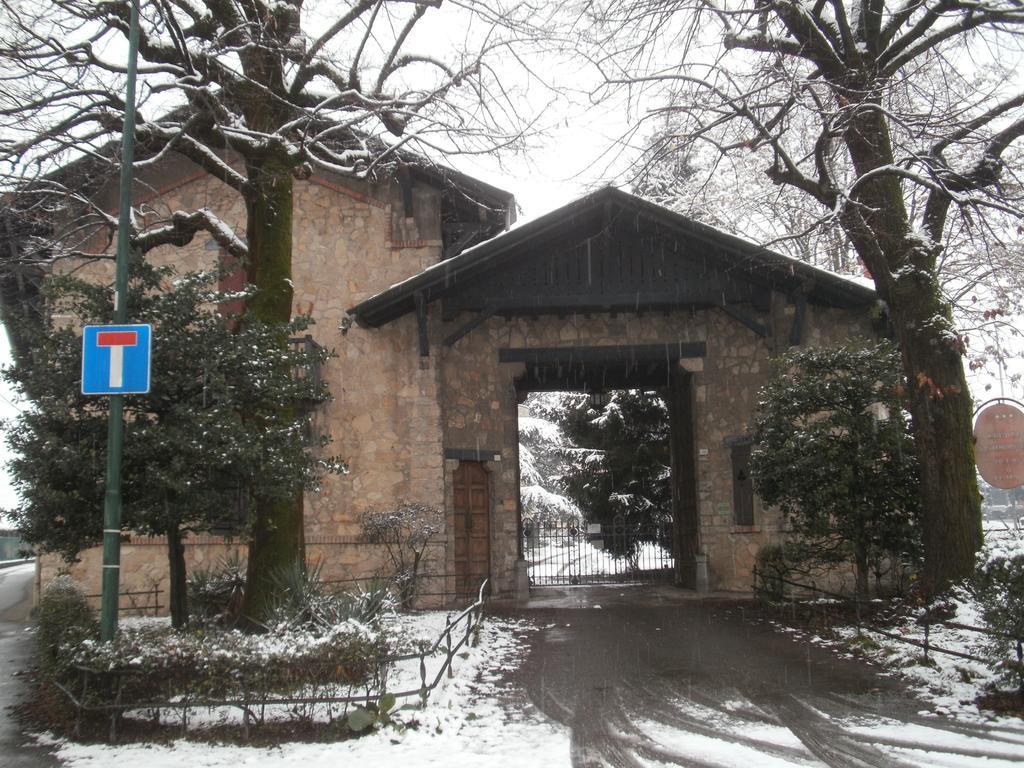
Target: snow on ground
{"type": "Point", "coordinates": [949, 683]}
{"type": "Point", "coordinates": [740, 734]}
{"type": "Point", "coordinates": [467, 723]}
{"type": "Point", "coordinates": [554, 561]}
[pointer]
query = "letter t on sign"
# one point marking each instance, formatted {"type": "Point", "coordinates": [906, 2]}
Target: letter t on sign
{"type": "Point", "coordinates": [116, 359]}
{"type": "Point", "coordinates": [117, 341]}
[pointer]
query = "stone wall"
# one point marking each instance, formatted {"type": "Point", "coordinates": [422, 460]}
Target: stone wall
{"type": "Point", "coordinates": [351, 240]}
{"type": "Point", "coordinates": [395, 413]}
{"type": "Point", "coordinates": [143, 568]}
{"type": "Point", "coordinates": [479, 409]}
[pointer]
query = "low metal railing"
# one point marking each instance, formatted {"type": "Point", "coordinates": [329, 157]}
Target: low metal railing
{"type": "Point", "coordinates": [926, 620]}
{"type": "Point", "coordinates": [140, 602]}
{"type": "Point", "coordinates": [114, 683]}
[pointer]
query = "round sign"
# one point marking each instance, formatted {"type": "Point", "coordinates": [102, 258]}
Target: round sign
{"type": "Point", "coordinates": [999, 445]}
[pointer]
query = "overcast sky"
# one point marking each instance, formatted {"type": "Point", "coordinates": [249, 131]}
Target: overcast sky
{"type": "Point", "coordinates": [8, 409]}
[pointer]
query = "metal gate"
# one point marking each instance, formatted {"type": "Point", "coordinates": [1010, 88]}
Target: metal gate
{"type": "Point", "coordinates": [561, 553]}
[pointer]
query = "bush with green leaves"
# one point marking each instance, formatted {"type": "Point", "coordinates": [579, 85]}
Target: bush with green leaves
{"type": "Point", "coordinates": [377, 714]}
{"type": "Point", "coordinates": [226, 423]}
{"type": "Point", "coordinates": [834, 452]}
{"type": "Point", "coordinates": [215, 594]}
{"type": "Point", "coordinates": [998, 587]}
{"type": "Point", "coordinates": [65, 620]}
{"type": "Point", "coordinates": [302, 600]}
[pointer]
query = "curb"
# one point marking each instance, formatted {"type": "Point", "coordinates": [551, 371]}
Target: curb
{"type": "Point", "coordinates": [15, 563]}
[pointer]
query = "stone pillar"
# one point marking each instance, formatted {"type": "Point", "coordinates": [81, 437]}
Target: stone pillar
{"type": "Point", "coordinates": [682, 441]}
{"type": "Point", "coordinates": [700, 573]}
{"type": "Point", "coordinates": [521, 586]}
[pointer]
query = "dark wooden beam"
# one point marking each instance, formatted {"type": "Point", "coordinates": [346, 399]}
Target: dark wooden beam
{"type": "Point", "coordinates": [421, 323]}
{"type": "Point", "coordinates": [405, 182]}
{"type": "Point", "coordinates": [466, 234]}
{"type": "Point", "coordinates": [760, 329]}
{"type": "Point", "coordinates": [796, 333]}
{"type": "Point", "coordinates": [472, 454]}
{"type": "Point", "coordinates": [633, 353]}
{"type": "Point", "coordinates": [458, 333]}
{"type": "Point", "coordinates": [592, 378]}
{"type": "Point", "coordinates": [551, 304]}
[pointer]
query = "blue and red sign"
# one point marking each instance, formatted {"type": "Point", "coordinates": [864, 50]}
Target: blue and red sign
{"type": "Point", "coordinates": [116, 359]}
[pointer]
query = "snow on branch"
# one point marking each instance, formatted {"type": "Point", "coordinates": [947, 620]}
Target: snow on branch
{"type": "Point", "coordinates": [183, 226]}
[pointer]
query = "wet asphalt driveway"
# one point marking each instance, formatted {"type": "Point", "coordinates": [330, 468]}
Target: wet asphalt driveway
{"type": "Point", "coordinates": [648, 676]}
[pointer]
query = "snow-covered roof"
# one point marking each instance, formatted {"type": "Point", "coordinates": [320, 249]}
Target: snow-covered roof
{"type": "Point", "coordinates": [520, 243]}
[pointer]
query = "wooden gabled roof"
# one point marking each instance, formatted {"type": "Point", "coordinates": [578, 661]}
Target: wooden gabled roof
{"type": "Point", "coordinates": [609, 251]}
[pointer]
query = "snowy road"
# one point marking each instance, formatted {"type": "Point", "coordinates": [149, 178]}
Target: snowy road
{"type": "Point", "coordinates": [647, 677]}
{"type": "Point", "coordinates": [15, 655]}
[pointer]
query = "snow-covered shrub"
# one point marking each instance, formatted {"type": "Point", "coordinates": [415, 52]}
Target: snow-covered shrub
{"type": "Point", "coordinates": [302, 600]}
{"type": "Point", "coordinates": [157, 662]}
{"type": "Point", "coordinates": [65, 619]}
{"type": "Point", "coordinates": [215, 594]}
{"type": "Point", "coordinates": [405, 531]}
{"type": "Point", "coordinates": [999, 589]}
{"type": "Point", "coordinates": [372, 601]}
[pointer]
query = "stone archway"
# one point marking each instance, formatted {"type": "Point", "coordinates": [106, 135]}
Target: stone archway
{"type": "Point", "coordinates": [613, 291]}
{"type": "Point", "coordinates": [654, 366]}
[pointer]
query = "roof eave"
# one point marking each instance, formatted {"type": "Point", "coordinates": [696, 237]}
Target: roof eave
{"type": "Point", "coordinates": [398, 300]}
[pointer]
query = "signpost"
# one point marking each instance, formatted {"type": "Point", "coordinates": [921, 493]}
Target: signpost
{"type": "Point", "coordinates": [111, 356]}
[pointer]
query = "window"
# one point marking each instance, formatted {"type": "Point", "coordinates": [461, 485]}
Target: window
{"type": "Point", "coordinates": [742, 486]}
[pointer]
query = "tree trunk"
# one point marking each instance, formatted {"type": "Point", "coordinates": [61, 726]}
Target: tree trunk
{"type": "Point", "coordinates": [860, 559]}
{"type": "Point", "coordinates": [276, 541]}
{"type": "Point", "coordinates": [904, 268]}
{"type": "Point", "coordinates": [940, 405]}
{"type": "Point", "coordinates": [178, 598]}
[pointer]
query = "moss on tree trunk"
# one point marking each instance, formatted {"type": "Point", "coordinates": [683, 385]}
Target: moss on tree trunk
{"type": "Point", "coordinates": [905, 271]}
{"type": "Point", "coordinates": [941, 407]}
{"type": "Point", "coordinates": [276, 541]}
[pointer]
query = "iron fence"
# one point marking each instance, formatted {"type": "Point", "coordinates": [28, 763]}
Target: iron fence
{"type": "Point", "coordinates": [143, 602]}
{"type": "Point", "coordinates": [113, 692]}
{"type": "Point", "coordinates": [570, 552]}
{"type": "Point", "coordinates": [774, 586]}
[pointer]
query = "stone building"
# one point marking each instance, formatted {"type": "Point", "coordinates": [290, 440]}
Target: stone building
{"type": "Point", "coordinates": [443, 318]}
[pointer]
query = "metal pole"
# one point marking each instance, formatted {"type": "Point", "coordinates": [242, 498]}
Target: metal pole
{"type": "Point", "coordinates": [115, 423]}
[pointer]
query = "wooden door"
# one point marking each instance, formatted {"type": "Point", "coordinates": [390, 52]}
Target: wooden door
{"type": "Point", "coordinates": [472, 527]}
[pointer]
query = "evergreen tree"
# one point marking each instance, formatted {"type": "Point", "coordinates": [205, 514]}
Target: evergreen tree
{"type": "Point", "coordinates": [834, 451]}
{"type": "Point", "coordinates": [625, 466]}
{"type": "Point", "coordinates": [225, 421]}
{"type": "Point", "coordinates": [545, 455]}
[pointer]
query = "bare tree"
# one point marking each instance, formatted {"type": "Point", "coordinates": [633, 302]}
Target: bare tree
{"type": "Point", "coordinates": [258, 93]}
{"type": "Point", "coordinates": [916, 113]}
{"type": "Point", "coordinates": [731, 193]}
{"type": "Point", "coordinates": [982, 278]}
